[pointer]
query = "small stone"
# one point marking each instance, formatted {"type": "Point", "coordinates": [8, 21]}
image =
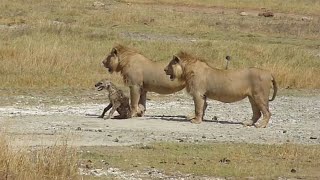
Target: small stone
{"type": "Point", "coordinates": [305, 18]}
{"type": "Point", "coordinates": [78, 129]}
{"type": "Point", "coordinates": [293, 171]}
{"type": "Point", "coordinates": [99, 130]}
{"type": "Point", "coordinates": [98, 4]}
{"type": "Point", "coordinates": [243, 13]}
{"type": "Point", "coordinates": [313, 138]}
{"type": "Point", "coordinates": [204, 137]}
{"type": "Point", "coordinates": [116, 140]}
{"type": "Point", "coordinates": [266, 14]}
{"type": "Point", "coordinates": [225, 161]}
{"type": "Point", "coordinates": [284, 131]}
{"type": "Point", "coordinates": [180, 140]}
{"type": "Point", "coordinates": [215, 118]}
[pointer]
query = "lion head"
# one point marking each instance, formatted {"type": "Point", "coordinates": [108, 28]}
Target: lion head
{"type": "Point", "coordinates": [117, 59]}
{"type": "Point", "coordinates": [174, 68]}
{"type": "Point", "coordinates": [103, 84]}
{"type": "Point", "coordinates": [111, 62]}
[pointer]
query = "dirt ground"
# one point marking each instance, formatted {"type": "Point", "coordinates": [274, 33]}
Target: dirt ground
{"type": "Point", "coordinates": [35, 120]}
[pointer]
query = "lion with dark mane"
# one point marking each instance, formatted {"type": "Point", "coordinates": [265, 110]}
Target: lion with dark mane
{"type": "Point", "coordinates": [204, 81]}
{"type": "Point", "coordinates": [140, 74]}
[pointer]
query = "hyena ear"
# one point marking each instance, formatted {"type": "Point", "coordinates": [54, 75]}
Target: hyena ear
{"type": "Point", "coordinates": [114, 51]}
{"type": "Point", "coordinates": [176, 59]}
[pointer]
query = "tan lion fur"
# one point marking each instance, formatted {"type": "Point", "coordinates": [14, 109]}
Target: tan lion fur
{"type": "Point", "coordinates": [140, 74]}
{"type": "Point", "coordinates": [204, 81]}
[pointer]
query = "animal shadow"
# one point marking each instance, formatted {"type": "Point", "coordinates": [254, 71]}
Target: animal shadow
{"type": "Point", "coordinates": [181, 118]}
{"type": "Point", "coordinates": [178, 118]}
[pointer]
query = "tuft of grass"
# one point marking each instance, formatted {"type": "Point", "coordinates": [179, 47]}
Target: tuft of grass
{"type": "Point", "coordinates": [217, 160]}
{"type": "Point", "coordinates": [55, 162]}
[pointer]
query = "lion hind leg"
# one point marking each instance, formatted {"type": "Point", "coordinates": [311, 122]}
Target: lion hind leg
{"type": "Point", "coordinates": [264, 108]}
{"type": "Point", "coordinates": [256, 113]}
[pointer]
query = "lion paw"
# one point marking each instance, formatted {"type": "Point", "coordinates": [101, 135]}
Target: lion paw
{"type": "Point", "coordinates": [196, 121]}
{"type": "Point", "coordinates": [261, 125]}
{"type": "Point", "coordinates": [247, 123]}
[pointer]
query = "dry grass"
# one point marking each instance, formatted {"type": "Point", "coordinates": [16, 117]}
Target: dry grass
{"type": "Point", "coordinates": [57, 162]}
{"type": "Point", "coordinates": [246, 160]}
{"type": "Point", "coordinates": [288, 6]}
{"type": "Point", "coordinates": [60, 44]}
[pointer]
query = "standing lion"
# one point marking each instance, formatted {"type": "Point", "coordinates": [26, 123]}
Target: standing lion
{"type": "Point", "coordinates": [203, 81]}
{"type": "Point", "coordinates": [140, 74]}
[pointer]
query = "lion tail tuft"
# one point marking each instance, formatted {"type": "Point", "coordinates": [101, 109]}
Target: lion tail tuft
{"type": "Point", "coordinates": [275, 88]}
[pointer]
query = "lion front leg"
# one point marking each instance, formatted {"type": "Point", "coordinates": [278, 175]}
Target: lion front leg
{"type": "Point", "coordinates": [199, 102]}
{"type": "Point", "coordinates": [143, 99]}
{"type": "Point", "coordinates": [134, 100]}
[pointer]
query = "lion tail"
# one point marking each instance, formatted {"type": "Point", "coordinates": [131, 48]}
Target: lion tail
{"type": "Point", "coordinates": [275, 88]}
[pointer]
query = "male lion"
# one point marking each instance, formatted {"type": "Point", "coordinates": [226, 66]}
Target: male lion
{"type": "Point", "coordinates": [140, 74]}
{"type": "Point", "coordinates": [118, 101]}
{"type": "Point", "coordinates": [227, 86]}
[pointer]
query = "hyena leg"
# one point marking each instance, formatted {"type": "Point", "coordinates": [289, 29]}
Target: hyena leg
{"type": "Point", "coordinates": [105, 110]}
{"type": "Point", "coordinates": [113, 109]}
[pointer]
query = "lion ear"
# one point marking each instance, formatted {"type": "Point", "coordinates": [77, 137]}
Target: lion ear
{"type": "Point", "coordinates": [176, 59]}
{"type": "Point", "coordinates": [114, 51]}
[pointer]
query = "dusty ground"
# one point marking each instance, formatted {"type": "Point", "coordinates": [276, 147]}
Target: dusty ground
{"type": "Point", "coordinates": [33, 121]}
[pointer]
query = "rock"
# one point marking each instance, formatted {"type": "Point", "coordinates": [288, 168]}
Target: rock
{"type": "Point", "coordinates": [98, 4]}
{"type": "Point", "coordinates": [180, 140]}
{"type": "Point", "coordinates": [78, 129]}
{"type": "Point", "coordinates": [313, 138]}
{"type": "Point", "coordinates": [116, 140]}
{"type": "Point", "coordinates": [293, 171]}
{"type": "Point", "coordinates": [243, 13]}
{"type": "Point", "coordinates": [204, 137]}
{"type": "Point", "coordinates": [266, 14]}
{"type": "Point", "coordinates": [305, 18]}
{"type": "Point", "coordinates": [215, 118]}
{"type": "Point", "coordinates": [225, 161]}
{"type": "Point", "coordinates": [284, 131]}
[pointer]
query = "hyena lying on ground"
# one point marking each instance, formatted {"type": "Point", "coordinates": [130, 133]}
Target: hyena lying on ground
{"type": "Point", "coordinates": [118, 101]}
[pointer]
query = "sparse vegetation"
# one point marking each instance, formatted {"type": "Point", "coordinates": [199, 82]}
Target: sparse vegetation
{"type": "Point", "coordinates": [60, 44]}
{"type": "Point", "coordinates": [56, 162]}
{"type": "Point", "coordinates": [215, 160]}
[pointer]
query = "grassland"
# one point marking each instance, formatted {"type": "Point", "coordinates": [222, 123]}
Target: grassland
{"type": "Point", "coordinates": [56, 162]}
{"type": "Point", "coordinates": [60, 44]}
{"type": "Point", "coordinates": [215, 160]}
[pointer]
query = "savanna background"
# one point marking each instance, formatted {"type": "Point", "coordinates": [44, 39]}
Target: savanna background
{"type": "Point", "coordinates": [50, 47]}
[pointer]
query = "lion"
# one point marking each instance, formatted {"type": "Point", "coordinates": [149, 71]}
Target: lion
{"type": "Point", "coordinates": [204, 81]}
{"type": "Point", "coordinates": [140, 74]}
{"type": "Point", "coordinates": [118, 101]}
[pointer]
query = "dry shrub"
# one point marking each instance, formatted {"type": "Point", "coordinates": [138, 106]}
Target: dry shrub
{"type": "Point", "coordinates": [55, 162]}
